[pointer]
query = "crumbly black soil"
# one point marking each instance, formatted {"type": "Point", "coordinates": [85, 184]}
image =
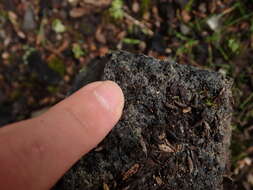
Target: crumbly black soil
{"type": "Point", "coordinates": [174, 132]}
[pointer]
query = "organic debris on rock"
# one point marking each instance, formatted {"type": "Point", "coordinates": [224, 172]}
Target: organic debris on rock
{"type": "Point", "coordinates": [156, 146]}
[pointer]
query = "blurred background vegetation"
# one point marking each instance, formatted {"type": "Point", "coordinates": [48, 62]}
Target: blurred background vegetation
{"type": "Point", "coordinates": [45, 43]}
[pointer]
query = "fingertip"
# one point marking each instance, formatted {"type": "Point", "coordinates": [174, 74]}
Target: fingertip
{"type": "Point", "coordinates": [111, 97]}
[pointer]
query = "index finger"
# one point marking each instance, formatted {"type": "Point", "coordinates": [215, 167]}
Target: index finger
{"type": "Point", "coordinates": [35, 153]}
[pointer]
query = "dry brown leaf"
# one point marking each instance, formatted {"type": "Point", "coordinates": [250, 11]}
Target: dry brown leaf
{"type": "Point", "coordinates": [81, 11]}
{"type": "Point", "coordinates": [159, 181]}
{"type": "Point", "coordinates": [185, 16]}
{"type": "Point", "coordinates": [98, 3]}
{"type": "Point", "coordinates": [165, 148]}
{"type": "Point", "coordinates": [87, 7]}
{"type": "Point", "coordinates": [105, 187]}
{"type": "Point", "coordinates": [100, 37]}
{"type": "Point", "coordinates": [98, 149]}
{"type": "Point", "coordinates": [133, 170]}
{"type": "Point", "coordinates": [190, 164]}
{"type": "Point", "coordinates": [103, 51]}
{"type": "Point", "coordinates": [14, 21]}
{"type": "Point", "coordinates": [162, 136]}
{"type": "Point", "coordinates": [187, 110]}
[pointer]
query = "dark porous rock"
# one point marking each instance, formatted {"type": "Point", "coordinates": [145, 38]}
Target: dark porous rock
{"type": "Point", "coordinates": [174, 132]}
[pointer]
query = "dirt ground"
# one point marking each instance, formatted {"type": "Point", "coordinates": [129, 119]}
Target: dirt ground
{"type": "Point", "coordinates": [45, 43]}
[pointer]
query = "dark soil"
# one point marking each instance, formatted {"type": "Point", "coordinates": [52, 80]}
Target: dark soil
{"type": "Point", "coordinates": [45, 43]}
{"type": "Point", "coordinates": [174, 134]}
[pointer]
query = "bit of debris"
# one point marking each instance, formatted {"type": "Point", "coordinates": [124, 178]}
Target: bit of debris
{"type": "Point", "coordinates": [133, 170]}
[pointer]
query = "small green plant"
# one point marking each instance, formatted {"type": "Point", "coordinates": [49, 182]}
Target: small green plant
{"type": "Point", "coordinates": [116, 11]}
{"type": "Point", "coordinates": [58, 26]}
{"type": "Point", "coordinates": [234, 45]}
{"type": "Point", "coordinates": [78, 51]}
{"type": "Point", "coordinates": [131, 41]}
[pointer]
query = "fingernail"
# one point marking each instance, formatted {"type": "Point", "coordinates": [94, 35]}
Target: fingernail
{"type": "Point", "coordinates": [110, 96]}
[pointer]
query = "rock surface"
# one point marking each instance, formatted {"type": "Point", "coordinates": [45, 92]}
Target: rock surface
{"type": "Point", "coordinates": [174, 132]}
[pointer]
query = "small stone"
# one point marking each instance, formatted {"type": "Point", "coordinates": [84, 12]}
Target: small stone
{"type": "Point", "coordinates": [184, 29]}
{"type": "Point", "coordinates": [142, 45]}
{"type": "Point", "coordinates": [214, 22]}
{"type": "Point", "coordinates": [136, 7]}
{"type": "Point", "coordinates": [202, 7]}
{"type": "Point", "coordinates": [5, 55]}
{"type": "Point", "coordinates": [58, 37]}
{"type": "Point", "coordinates": [29, 22]}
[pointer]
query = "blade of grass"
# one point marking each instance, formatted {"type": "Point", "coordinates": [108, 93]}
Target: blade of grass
{"type": "Point", "coordinates": [188, 6]}
{"type": "Point", "coordinates": [238, 20]}
{"type": "Point", "coordinates": [242, 106]}
{"type": "Point", "coordinates": [223, 53]}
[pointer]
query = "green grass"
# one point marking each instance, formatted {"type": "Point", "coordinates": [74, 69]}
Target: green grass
{"type": "Point", "coordinates": [248, 100]}
{"type": "Point", "coordinates": [189, 5]}
{"type": "Point", "coordinates": [145, 5]}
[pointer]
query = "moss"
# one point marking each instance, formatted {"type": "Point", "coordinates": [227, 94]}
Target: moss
{"type": "Point", "coordinates": [57, 65]}
{"type": "Point", "coordinates": [53, 89]}
{"type": "Point", "coordinates": [15, 95]}
{"type": "Point", "coordinates": [210, 103]}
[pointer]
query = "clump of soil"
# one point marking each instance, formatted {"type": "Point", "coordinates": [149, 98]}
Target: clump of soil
{"type": "Point", "coordinates": [174, 132]}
